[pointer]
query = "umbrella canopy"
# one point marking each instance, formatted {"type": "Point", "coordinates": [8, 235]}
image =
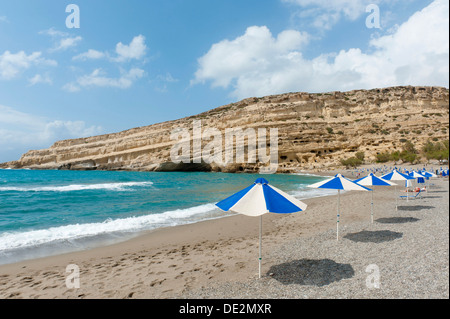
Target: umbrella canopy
{"type": "Point", "coordinates": [420, 178]}
{"type": "Point", "coordinates": [259, 199]}
{"type": "Point", "coordinates": [372, 180]}
{"type": "Point", "coordinates": [428, 174]}
{"type": "Point", "coordinates": [339, 182]}
{"type": "Point", "coordinates": [415, 174]}
{"type": "Point", "coordinates": [395, 175]}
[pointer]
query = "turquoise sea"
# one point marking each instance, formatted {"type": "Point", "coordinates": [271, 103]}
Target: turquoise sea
{"type": "Point", "coordinates": [51, 212]}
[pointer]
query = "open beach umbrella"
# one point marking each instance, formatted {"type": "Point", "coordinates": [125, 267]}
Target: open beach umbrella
{"type": "Point", "coordinates": [259, 199]}
{"type": "Point", "coordinates": [339, 182]}
{"type": "Point", "coordinates": [418, 177]}
{"type": "Point", "coordinates": [395, 175]}
{"type": "Point", "coordinates": [428, 175]}
{"type": "Point", "coordinates": [372, 180]}
{"type": "Point", "coordinates": [415, 174]}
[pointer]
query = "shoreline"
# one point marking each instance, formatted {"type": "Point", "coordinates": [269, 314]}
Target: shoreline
{"type": "Point", "coordinates": [60, 245]}
{"type": "Point", "coordinates": [112, 239]}
{"type": "Point", "coordinates": [175, 240]}
{"type": "Point", "coordinates": [175, 261]}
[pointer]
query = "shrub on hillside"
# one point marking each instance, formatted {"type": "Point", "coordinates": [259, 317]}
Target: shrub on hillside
{"type": "Point", "coordinates": [438, 150]}
{"type": "Point", "coordinates": [351, 162]}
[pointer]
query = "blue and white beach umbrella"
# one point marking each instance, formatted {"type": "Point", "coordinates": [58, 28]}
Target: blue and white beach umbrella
{"type": "Point", "coordinates": [415, 174]}
{"type": "Point", "coordinates": [418, 177]}
{"type": "Point", "coordinates": [339, 182]}
{"type": "Point", "coordinates": [395, 175]}
{"type": "Point", "coordinates": [372, 180]}
{"type": "Point", "coordinates": [259, 199]}
{"type": "Point", "coordinates": [428, 175]}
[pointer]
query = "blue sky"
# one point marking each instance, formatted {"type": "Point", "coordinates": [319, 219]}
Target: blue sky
{"type": "Point", "coordinates": [135, 63]}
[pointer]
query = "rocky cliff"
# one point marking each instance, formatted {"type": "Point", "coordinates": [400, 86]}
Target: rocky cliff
{"type": "Point", "coordinates": [314, 131]}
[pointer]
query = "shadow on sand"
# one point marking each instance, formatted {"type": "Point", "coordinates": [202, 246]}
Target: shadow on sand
{"type": "Point", "coordinates": [397, 220]}
{"type": "Point", "coordinates": [414, 208]}
{"type": "Point", "coordinates": [377, 236]}
{"type": "Point", "coordinates": [311, 272]}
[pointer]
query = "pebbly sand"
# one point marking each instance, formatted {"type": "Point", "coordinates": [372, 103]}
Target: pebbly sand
{"type": "Point", "coordinates": [408, 249]}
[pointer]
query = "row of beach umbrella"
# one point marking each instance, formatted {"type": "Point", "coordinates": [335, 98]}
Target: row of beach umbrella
{"type": "Point", "coordinates": [261, 197]}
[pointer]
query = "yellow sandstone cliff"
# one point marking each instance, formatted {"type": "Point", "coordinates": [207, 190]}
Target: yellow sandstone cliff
{"type": "Point", "coordinates": [315, 131]}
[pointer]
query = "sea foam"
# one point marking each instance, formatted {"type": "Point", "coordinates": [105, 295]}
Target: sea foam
{"type": "Point", "coordinates": [78, 187]}
{"type": "Point", "coordinates": [18, 240]}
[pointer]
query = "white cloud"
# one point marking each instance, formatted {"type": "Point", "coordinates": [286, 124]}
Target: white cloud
{"type": "Point", "coordinates": [256, 50]}
{"type": "Point", "coordinates": [98, 78]}
{"type": "Point", "coordinates": [135, 50]}
{"type": "Point", "coordinates": [90, 55]}
{"type": "Point", "coordinates": [59, 130]}
{"type": "Point", "coordinates": [24, 131]}
{"type": "Point", "coordinates": [325, 13]}
{"type": "Point", "coordinates": [258, 64]}
{"type": "Point", "coordinates": [351, 9]}
{"type": "Point", "coordinates": [62, 40]}
{"type": "Point", "coordinates": [53, 33]}
{"type": "Point", "coordinates": [12, 64]}
{"type": "Point", "coordinates": [167, 78]}
{"type": "Point", "coordinates": [3, 19]}
{"type": "Point", "coordinates": [71, 87]}
{"type": "Point", "coordinates": [162, 82]}
{"type": "Point", "coordinates": [9, 116]}
{"type": "Point", "coordinates": [40, 79]}
{"type": "Point", "coordinates": [124, 53]}
{"type": "Point", "coordinates": [66, 43]}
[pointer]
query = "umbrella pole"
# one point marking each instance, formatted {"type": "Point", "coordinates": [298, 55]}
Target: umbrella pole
{"type": "Point", "coordinates": [337, 223]}
{"type": "Point", "coordinates": [396, 199]}
{"type": "Point", "coordinates": [407, 190]}
{"type": "Point", "coordinates": [260, 244]}
{"type": "Point", "coordinates": [371, 209]}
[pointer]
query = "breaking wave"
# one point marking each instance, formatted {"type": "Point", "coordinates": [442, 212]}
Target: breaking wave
{"type": "Point", "coordinates": [78, 187]}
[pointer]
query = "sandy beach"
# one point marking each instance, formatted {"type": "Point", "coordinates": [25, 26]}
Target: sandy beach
{"type": "Point", "coordinates": [408, 248]}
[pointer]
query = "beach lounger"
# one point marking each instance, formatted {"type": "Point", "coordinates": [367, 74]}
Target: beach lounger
{"type": "Point", "coordinates": [411, 196]}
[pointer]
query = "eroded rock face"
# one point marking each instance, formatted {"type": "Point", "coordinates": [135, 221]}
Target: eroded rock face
{"type": "Point", "coordinates": [314, 130]}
